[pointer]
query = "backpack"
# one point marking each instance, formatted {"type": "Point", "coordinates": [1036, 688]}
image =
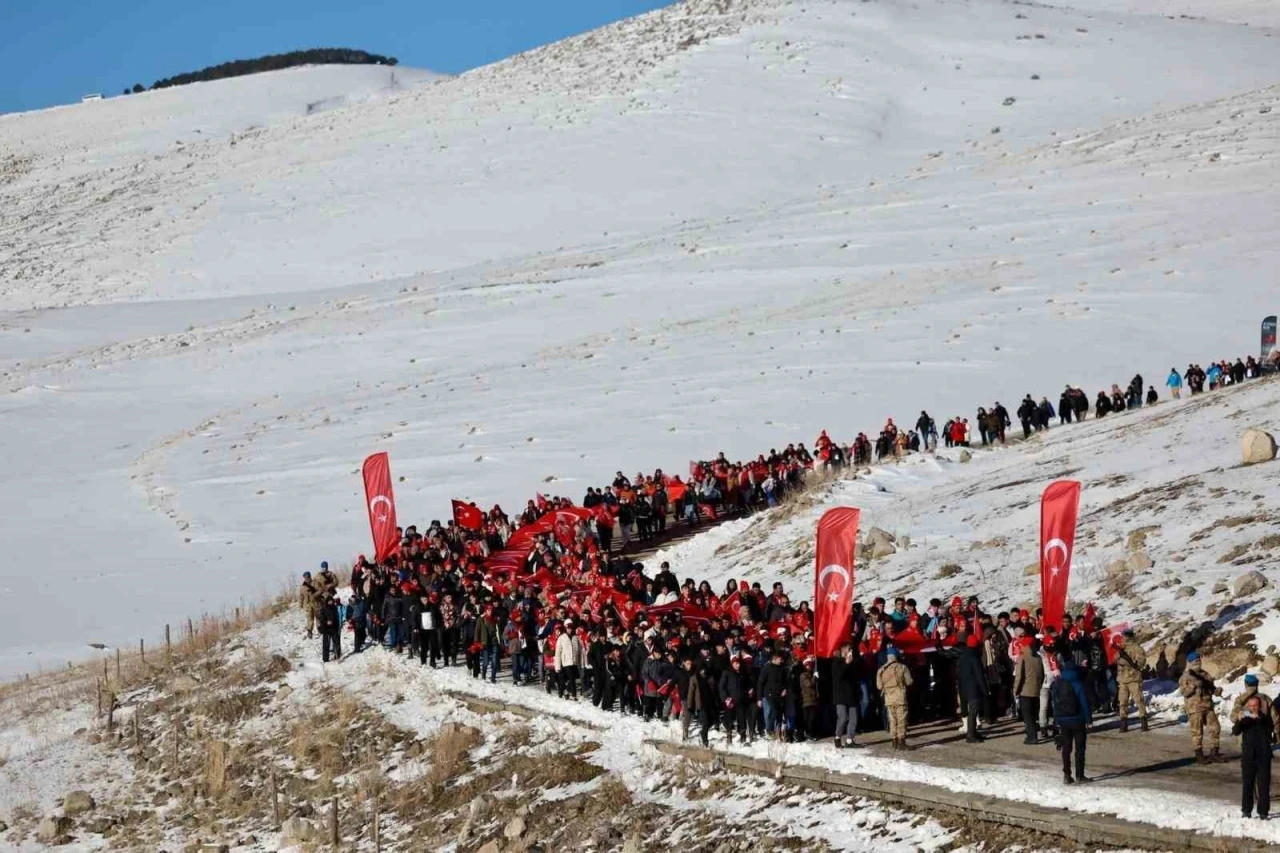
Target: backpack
{"type": "Point", "coordinates": [1065, 701]}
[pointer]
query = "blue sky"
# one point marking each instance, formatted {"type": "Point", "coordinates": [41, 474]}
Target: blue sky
{"type": "Point", "coordinates": [54, 51]}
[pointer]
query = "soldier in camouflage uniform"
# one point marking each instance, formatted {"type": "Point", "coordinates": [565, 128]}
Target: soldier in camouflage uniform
{"type": "Point", "coordinates": [1198, 690]}
{"type": "Point", "coordinates": [892, 681]}
{"type": "Point", "coordinates": [309, 602]}
{"type": "Point", "coordinates": [1131, 662]}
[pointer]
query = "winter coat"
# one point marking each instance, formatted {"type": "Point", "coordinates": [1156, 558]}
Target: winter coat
{"type": "Point", "coordinates": [808, 689]}
{"type": "Point", "coordinates": [326, 582]}
{"type": "Point", "coordinates": [487, 633]}
{"type": "Point", "coordinates": [1197, 689]}
{"type": "Point", "coordinates": [1269, 710]}
{"type": "Point", "coordinates": [330, 623]}
{"type": "Point", "coordinates": [653, 675]}
{"type": "Point", "coordinates": [1256, 736]}
{"type": "Point", "coordinates": [358, 612]}
{"type": "Point", "coordinates": [568, 651]}
{"type": "Point", "coordinates": [308, 598]}
{"type": "Point", "coordinates": [969, 676]}
{"type": "Point", "coordinates": [1028, 675]}
{"type": "Point", "coordinates": [892, 680]}
{"type": "Point", "coordinates": [393, 609]}
{"type": "Point", "coordinates": [844, 681]}
{"type": "Point", "coordinates": [734, 688]}
{"type": "Point", "coordinates": [1071, 676]}
{"type": "Point", "coordinates": [773, 681]}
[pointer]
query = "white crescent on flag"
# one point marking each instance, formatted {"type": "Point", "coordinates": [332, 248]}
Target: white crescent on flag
{"type": "Point", "coordinates": [833, 569]}
{"type": "Point", "coordinates": [1049, 548]}
{"type": "Point", "coordinates": [373, 506]}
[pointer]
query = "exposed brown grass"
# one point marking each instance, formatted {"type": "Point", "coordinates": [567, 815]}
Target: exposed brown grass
{"type": "Point", "coordinates": [447, 751]}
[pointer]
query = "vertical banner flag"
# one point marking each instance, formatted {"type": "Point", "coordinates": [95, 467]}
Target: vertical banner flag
{"type": "Point", "coordinates": [833, 584]}
{"type": "Point", "coordinates": [1058, 509]}
{"type": "Point", "coordinates": [382, 506]}
{"type": "Point", "coordinates": [1268, 336]}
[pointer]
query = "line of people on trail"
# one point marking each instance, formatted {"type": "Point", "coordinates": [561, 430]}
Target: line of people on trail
{"type": "Point", "coordinates": [582, 619]}
{"type": "Point", "coordinates": [747, 668]}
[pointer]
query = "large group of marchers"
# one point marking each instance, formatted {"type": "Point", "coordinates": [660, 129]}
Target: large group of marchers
{"type": "Point", "coordinates": [550, 597]}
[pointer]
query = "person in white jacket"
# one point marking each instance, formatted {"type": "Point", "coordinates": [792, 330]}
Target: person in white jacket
{"type": "Point", "coordinates": [569, 656]}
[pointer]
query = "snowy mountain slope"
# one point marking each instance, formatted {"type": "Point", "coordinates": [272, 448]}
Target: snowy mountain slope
{"type": "Point", "coordinates": [115, 130]}
{"type": "Point", "coordinates": [620, 131]}
{"type": "Point", "coordinates": [647, 246]}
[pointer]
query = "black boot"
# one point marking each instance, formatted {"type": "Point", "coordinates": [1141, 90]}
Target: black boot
{"type": "Point", "coordinates": [1200, 759]}
{"type": "Point", "coordinates": [1145, 728]}
{"type": "Point", "coordinates": [1066, 779]}
{"type": "Point", "coordinates": [1124, 724]}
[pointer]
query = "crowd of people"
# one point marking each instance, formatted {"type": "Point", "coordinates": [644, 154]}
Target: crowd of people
{"type": "Point", "coordinates": [578, 616]}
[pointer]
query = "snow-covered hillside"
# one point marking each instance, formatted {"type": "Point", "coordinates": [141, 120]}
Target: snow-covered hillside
{"type": "Point", "coordinates": [724, 225]}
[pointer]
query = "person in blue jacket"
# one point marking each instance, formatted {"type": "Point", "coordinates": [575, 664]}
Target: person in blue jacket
{"type": "Point", "coordinates": [1073, 716]}
{"type": "Point", "coordinates": [1175, 383]}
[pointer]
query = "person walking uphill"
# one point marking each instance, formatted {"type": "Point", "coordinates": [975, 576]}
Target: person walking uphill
{"type": "Point", "coordinates": [892, 681]}
{"type": "Point", "coordinates": [1073, 715]}
{"type": "Point", "coordinates": [1198, 690]}
{"type": "Point", "coordinates": [1254, 724]}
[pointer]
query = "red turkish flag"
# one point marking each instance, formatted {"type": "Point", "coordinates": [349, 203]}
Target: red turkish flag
{"type": "Point", "coordinates": [1113, 641]}
{"type": "Point", "coordinates": [1059, 507]}
{"type": "Point", "coordinates": [381, 502]}
{"type": "Point", "coordinates": [833, 583]}
{"type": "Point", "coordinates": [468, 516]}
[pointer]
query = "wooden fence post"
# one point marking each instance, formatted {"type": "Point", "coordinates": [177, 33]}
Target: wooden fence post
{"type": "Point", "coordinates": [137, 733]}
{"type": "Point", "coordinates": [168, 646]}
{"type": "Point", "coordinates": [117, 663]}
{"type": "Point", "coordinates": [333, 822]}
{"type": "Point", "coordinates": [175, 746]}
{"type": "Point", "coordinates": [142, 650]}
{"type": "Point", "coordinates": [97, 688]}
{"type": "Point", "coordinates": [377, 829]}
{"type": "Point", "coordinates": [191, 630]}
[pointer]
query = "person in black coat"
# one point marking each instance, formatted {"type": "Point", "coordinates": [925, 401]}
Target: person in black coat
{"type": "Point", "coordinates": [1256, 738]}
{"type": "Point", "coordinates": [973, 685]}
{"type": "Point", "coordinates": [426, 623]}
{"type": "Point", "coordinates": [734, 689]}
{"type": "Point", "coordinates": [330, 629]}
{"type": "Point", "coordinates": [845, 695]}
{"type": "Point", "coordinates": [598, 660]}
{"type": "Point", "coordinates": [1027, 415]}
{"type": "Point", "coordinates": [1073, 714]}
{"type": "Point", "coordinates": [393, 616]}
{"type": "Point", "coordinates": [771, 687]}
